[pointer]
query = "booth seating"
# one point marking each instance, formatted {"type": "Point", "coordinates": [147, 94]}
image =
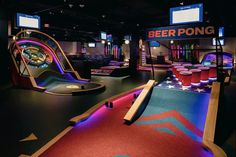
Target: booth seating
{"type": "Point", "coordinates": [186, 77]}
{"type": "Point", "coordinates": [174, 69]}
{"type": "Point", "coordinates": [212, 72]}
{"type": "Point", "coordinates": [204, 74]}
{"type": "Point", "coordinates": [196, 76]}
{"type": "Point", "coordinates": [178, 73]}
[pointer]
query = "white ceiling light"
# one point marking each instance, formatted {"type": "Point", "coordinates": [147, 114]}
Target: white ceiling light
{"type": "Point", "coordinates": [71, 5]}
{"type": "Point", "coordinates": [127, 42]}
{"type": "Point", "coordinates": [81, 5]}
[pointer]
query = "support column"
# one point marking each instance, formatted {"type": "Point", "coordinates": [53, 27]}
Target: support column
{"type": "Point", "coordinates": [4, 55]}
{"type": "Point", "coordinates": [134, 50]}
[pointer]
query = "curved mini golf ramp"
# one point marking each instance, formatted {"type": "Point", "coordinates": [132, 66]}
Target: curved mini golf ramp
{"type": "Point", "coordinates": [39, 63]}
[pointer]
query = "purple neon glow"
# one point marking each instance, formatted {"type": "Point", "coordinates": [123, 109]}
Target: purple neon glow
{"type": "Point", "coordinates": [98, 115]}
{"type": "Point", "coordinates": [45, 47]}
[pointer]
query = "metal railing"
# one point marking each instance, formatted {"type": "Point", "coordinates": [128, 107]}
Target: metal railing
{"type": "Point", "coordinates": [20, 63]}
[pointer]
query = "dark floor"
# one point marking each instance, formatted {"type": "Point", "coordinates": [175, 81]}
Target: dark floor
{"type": "Point", "coordinates": [226, 122]}
{"type": "Point", "coordinates": [23, 112]}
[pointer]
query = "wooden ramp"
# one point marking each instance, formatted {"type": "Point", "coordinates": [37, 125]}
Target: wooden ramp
{"type": "Point", "coordinates": [138, 102]}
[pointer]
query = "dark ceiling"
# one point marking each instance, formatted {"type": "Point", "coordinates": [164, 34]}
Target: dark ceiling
{"type": "Point", "coordinates": [84, 19]}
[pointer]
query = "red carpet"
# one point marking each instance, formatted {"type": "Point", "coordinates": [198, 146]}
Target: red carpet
{"type": "Point", "coordinates": [105, 135]}
{"type": "Point", "coordinates": [177, 116]}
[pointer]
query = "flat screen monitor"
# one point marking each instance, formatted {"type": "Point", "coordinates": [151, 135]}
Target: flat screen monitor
{"type": "Point", "coordinates": [27, 21]}
{"type": "Point", "coordinates": [109, 37]}
{"type": "Point", "coordinates": [127, 37]}
{"type": "Point", "coordinates": [92, 45]}
{"type": "Point", "coordinates": [222, 42]}
{"type": "Point", "coordinates": [221, 34]}
{"type": "Point", "coordinates": [186, 14]}
{"type": "Point", "coordinates": [103, 35]}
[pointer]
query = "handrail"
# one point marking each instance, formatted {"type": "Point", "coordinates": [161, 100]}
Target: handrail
{"type": "Point", "coordinates": [12, 47]}
{"type": "Point", "coordinates": [210, 124]}
{"type": "Point", "coordinates": [138, 102]}
{"type": "Point", "coordinates": [58, 45]}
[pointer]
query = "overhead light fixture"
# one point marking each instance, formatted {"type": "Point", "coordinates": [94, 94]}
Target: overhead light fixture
{"type": "Point", "coordinates": [137, 24]}
{"type": "Point", "coordinates": [28, 32]}
{"type": "Point", "coordinates": [81, 5]}
{"type": "Point", "coordinates": [103, 16]}
{"type": "Point", "coordinates": [103, 41]}
{"type": "Point", "coordinates": [127, 42]}
{"type": "Point", "coordinates": [172, 42]}
{"type": "Point", "coordinates": [71, 5]}
{"type": "Point", "coordinates": [154, 48]}
{"type": "Point", "coordinates": [61, 11]}
{"type": "Point", "coordinates": [181, 3]}
{"type": "Point", "coordinates": [109, 43]}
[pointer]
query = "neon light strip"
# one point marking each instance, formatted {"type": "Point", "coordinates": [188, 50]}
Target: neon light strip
{"type": "Point", "coordinates": [186, 86]}
{"type": "Point", "coordinates": [204, 81]}
{"type": "Point", "coordinates": [213, 78]}
{"type": "Point", "coordinates": [45, 47]}
{"type": "Point", "coordinates": [196, 84]}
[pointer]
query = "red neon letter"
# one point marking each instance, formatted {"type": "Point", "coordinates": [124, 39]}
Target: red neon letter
{"type": "Point", "coordinates": [172, 33]}
{"type": "Point", "coordinates": [181, 31]}
{"type": "Point", "coordinates": [151, 34]}
{"type": "Point", "coordinates": [158, 34]}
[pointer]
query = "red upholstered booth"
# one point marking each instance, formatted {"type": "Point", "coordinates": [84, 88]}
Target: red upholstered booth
{"type": "Point", "coordinates": [186, 77]}
{"type": "Point", "coordinates": [196, 76]}
{"type": "Point", "coordinates": [204, 74]}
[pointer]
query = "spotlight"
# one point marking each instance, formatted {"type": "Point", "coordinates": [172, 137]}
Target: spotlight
{"type": "Point", "coordinates": [127, 42]}
{"type": "Point", "coordinates": [103, 41]}
{"type": "Point", "coordinates": [71, 5]}
{"type": "Point", "coordinates": [81, 5]}
{"type": "Point", "coordinates": [28, 32]}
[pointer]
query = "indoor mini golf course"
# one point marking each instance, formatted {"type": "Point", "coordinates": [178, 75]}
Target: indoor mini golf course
{"type": "Point", "coordinates": [171, 125]}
